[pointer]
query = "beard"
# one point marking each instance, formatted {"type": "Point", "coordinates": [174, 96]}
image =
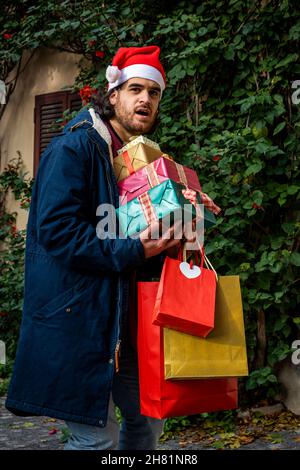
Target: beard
{"type": "Point", "coordinates": [128, 120]}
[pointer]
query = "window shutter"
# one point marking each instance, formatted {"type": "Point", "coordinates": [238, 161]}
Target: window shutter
{"type": "Point", "coordinates": [74, 102]}
{"type": "Point", "coordinates": [49, 108]}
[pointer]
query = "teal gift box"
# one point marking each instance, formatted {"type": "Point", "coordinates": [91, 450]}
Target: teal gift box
{"type": "Point", "coordinates": [161, 200]}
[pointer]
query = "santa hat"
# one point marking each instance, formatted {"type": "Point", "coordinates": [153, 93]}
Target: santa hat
{"type": "Point", "coordinates": [136, 62]}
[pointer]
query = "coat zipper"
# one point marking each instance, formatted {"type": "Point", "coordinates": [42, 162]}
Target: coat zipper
{"type": "Point", "coordinates": [117, 355]}
{"type": "Point", "coordinates": [118, 344]}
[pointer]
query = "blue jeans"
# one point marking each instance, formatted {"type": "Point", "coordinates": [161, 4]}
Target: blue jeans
{"type": "Point", "coordinates": [137, 432]}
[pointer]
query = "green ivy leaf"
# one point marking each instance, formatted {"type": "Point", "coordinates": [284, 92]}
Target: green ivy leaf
{"type": "Point", "coordinates": [257, 197]}
{"type": "Point", "coordinates": [293, 189]}
{"type": "Point", "coordinates": [287, 60]}
{"type": "Point", "coordinates": [229, 53]}
{"type": "Point", "coordinates": [279, 128]}
{"type": "Point", "coordinates": [295, 259]}
{"type": "Point", "coordinates": [253, 169]}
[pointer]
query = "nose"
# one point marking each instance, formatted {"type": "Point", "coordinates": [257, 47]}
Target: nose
{"type": "Point", "coordinates": [144, 96]}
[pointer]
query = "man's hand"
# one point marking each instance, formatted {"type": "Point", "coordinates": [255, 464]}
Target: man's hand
{"type": "Point", "coordinates": [173, 251]}
{"type": "Point", "coordinates": [153, 243]}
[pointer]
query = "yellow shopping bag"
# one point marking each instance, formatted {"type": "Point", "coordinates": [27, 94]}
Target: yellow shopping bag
{"type": "Point", "coordinates": [223, 352]}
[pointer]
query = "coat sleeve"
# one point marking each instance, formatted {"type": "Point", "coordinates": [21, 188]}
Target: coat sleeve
{"type": "Point", "coordinates": [63, 226]}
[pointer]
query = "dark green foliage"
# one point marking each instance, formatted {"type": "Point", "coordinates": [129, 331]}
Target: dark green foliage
{"type": "Point", "coordinates": [12, 254]}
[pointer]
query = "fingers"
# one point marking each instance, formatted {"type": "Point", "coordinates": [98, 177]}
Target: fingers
{"type": "Point", "coordinates": [158, 230]}
{"type": "Point", "coordinates": [173, 232]}
{"type": "Point", "coordinates": [190, 236]}
{"type": "Point", "coordinates": [173, 243]}
{"type": "Point", "coordinates": [159, 236]}
{"type": "Point", "coordinates": [152, 231]}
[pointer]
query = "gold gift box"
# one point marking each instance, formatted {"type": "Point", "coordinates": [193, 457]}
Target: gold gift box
{"type": "Point", "coordinates": [135, 155]}
{"type": "Point", "coordinates": [140, 139]}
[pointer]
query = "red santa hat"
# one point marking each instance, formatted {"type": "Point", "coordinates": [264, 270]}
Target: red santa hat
{"type": "Point", "coordinates": [136, 62]}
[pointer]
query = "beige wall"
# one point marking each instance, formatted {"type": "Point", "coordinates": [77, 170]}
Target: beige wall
{"type": "Point", "coordinates": [47, 72]}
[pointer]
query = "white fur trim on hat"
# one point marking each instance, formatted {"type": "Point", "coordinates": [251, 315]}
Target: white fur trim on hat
{"type": "Point", "coordinates": [134, 71]}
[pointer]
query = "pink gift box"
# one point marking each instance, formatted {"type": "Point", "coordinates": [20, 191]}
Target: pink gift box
{"type": "Point", "coordinates": [153, 174]}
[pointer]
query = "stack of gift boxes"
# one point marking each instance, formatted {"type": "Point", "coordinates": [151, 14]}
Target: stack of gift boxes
{"type": "Point", "coordinates": [179, 373]}
{"type": "Point", "coordinates": [152, 186]}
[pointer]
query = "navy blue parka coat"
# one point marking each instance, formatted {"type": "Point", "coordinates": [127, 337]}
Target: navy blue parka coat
{"type": "Point", "coordinates": [76, 285]}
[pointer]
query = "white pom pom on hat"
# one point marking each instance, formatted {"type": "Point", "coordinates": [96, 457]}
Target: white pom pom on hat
{"type": "Point", "coordinates": [113, 73]}
{"type": "Point", "coordinates": [136, 62]}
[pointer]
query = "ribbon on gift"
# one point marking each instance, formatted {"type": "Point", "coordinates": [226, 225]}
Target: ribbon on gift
{"type": "Point", "coordinates": [209, 203]}
{"type": "Point", "coordinates": [152, 175]}
{"type": "Point", "coordinates": [180, 170]}
{"type": "Point", "coordinates": [165, 155]}
{"type": "Point", "coordinates": [147, 208]}
{"type": "Point", "coordinates": [181, 174]}
{"type": "Point", "coordinates": [191, 195]}
{"type": "Point", "coordinates": [127, 162]}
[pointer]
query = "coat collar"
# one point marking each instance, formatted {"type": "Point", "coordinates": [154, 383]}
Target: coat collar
{"type": "Point", "coordinates": [90, 120]}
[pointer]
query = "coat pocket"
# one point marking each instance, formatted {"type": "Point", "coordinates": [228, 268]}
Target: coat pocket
{"type": "Point", "coordinates": [70, 309]}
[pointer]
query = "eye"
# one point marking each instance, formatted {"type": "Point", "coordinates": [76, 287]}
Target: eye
{"type": "Point", "coordinates": [136, 89]}
{"type": "Point", "coordinates": [154, 93]}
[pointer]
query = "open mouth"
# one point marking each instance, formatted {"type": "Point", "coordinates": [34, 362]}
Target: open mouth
{"type": "Point", "coordinates": [143, 112]}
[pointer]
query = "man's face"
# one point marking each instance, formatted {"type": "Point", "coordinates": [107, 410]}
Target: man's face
{"type": "Point", "coordinates": [136, 105]}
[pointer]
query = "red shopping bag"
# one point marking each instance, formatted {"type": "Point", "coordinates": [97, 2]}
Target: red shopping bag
{"type": "Point", "coordinates": [160, 398]}
{"type": "Point", "coordinates": [186, 297]}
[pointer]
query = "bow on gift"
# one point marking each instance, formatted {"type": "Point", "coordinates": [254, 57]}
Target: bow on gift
{"type": "Point", "coordinates": [191, 195]}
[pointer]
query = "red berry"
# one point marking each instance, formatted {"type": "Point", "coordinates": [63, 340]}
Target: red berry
{"type": "Point", "coordinates": [100, 54]}
{"type": "Point", "coordinates": [256, 206]}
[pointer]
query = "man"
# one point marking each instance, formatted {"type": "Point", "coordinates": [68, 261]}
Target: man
{"type": "Point", "coordinates": [76, 299]}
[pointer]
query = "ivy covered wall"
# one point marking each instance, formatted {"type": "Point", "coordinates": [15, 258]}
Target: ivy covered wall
{"type": "Point", "coordinates": [230, 110]}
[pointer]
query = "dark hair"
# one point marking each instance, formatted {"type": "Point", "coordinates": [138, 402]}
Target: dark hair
{"type": "Point", "coordinates": [106, 110]}
{"type": "Point", "coordinates": [102, 105]}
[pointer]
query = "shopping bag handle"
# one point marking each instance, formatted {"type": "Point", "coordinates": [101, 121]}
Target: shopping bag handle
{"type": "Point", "coordinates": [210, 266]}
{"type": "Point", "coordinates": [182, 256]}
{"type": "Point", "coordinates": [204, 258]}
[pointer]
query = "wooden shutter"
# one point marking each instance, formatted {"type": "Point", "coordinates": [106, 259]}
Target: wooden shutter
{"type": "Point", "coordinates": [74, 102]}
{"type": "Point", "coordinates": [49, 108]}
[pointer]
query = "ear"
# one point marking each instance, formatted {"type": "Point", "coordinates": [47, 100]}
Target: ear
{"type": "Point", "coordinates": [113, 97]}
